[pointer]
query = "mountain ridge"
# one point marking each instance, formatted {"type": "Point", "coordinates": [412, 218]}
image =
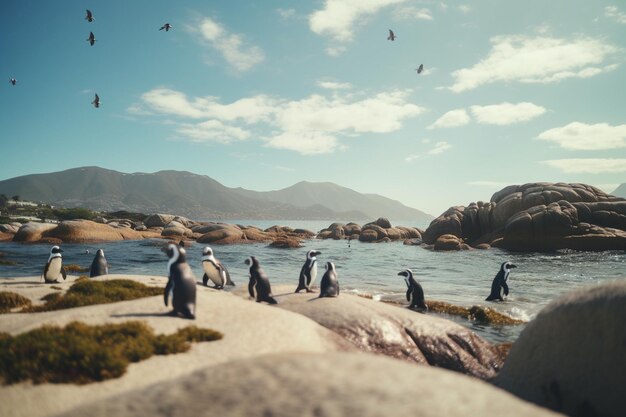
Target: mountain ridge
{"type": "Point", "coordinates": [200, 196]}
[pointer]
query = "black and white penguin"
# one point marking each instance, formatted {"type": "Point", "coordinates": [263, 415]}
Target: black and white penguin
{"type": "Point", "coordinates": [54, 267]}
{"type": "Point", "coordinates": [214, 270]}
{"type": "Point", "coordinates": [329, 286]}
{"type": "Point", "coordinates": [499, 287]}
{"type": "Point", "coordinates": [308, 273]}
{"type": "Point", "coordinates": [181, 283]}
{"type": "Point", "coordinates": [99, 265]}
{"type": "Point", "coordinates": [91, 39]}
{"type": "Point", "coordinates": [259, 285]}
{"type": "Point", "coordinates": [414, 292]}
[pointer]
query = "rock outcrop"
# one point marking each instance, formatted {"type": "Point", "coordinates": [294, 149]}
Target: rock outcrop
{"type": "Point", "coordinates": [76, 231]}
{"type": "Point", "coordinates": [538, 217]}
{"type": "Point", "coordinates": [380, 230]}
{"type": "Point", "coordinates": [328, 385]}
{"type": "Point", "coordinates": [571, 357]}
{"type": "Point", "coordinates": [398, 332]}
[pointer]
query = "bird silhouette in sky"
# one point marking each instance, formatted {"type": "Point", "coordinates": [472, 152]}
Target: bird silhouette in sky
{"type": "Point", "coordinates": [12, 81]}
{"type": "Point", "coordinates": [166, 26]}
{"type": "Point", "coordinates": [420, 69]}
{"type": "Point", "coordinates": [96, 101]}
{"type": "Point", "coordinates": [392, 36]}
{"type": "Point", "coordinates": [91, 39]}
{"type": "Point", "coordinates": [89, 16]}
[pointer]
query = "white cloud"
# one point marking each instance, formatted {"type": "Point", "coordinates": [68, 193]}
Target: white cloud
{"type": "Point", "coordinates": [615, 14]}
{"type": "Point", "coordinates": [506, 113]}
{"type": "Point", "coordinates": [332, 85]}
{"type": "Point", "coordinates": [464, 8]}
{"type": "Point", "coordinates": [453, 118]}
{"type": "Point", "coordinates": [439, 147]}
{"type": "Point", "coordinates": [138, 110]}
{"type": "Point", "coordinates": [213, 131]}
{"type": "Point", "coordinates": [232, 46]}
{"type": "Point", "coordinates": [412, 157]}
{"type": "Point", "coordinates": [411, 12]}
{"type": "Point", "coordinates": [310, 125]}
{"type": "Point", "coordinates": [536, 60]}
{"type": "Point", "coordinates": [581, 136]}
{"type": "Point", "coordinates": [286, 13]}
{"type": "Point", "coordinates": [588, 166]}
{"type": "Point", "coordinates": [338, 18]}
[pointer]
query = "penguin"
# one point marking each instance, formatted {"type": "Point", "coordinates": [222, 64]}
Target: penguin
{"type": "Point", "coordinates": [329, 286]}
{"type": "Point", "coordinates": [259, 284]}
{"type": "Point", "coordinates": [181, 283]}
{"type": "Point", "coordinates": [414, 292]}
{"type": "Point", "coordinates": [308, 273]}
{"type": "Point", "coordinates": [214, 270]}
{"type": "Point", "coordinates": [499, 288]}
{"type": "Point", "coordinates": [99, 265]}
{"type": "Point", "coordinates": [91, 39]}
{"type": "Point", "coordinates": [54, 266]}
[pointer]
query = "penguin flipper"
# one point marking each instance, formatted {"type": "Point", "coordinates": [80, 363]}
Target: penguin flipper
{"type": "Point", "coordinates": [251, 288]}
{"type": "Point", "coordinates": [64, 273]}
{"type": "Point", "coordinates": [408, 294]}
{"type": "Point", "coordinates": [168, 289]}
{"type": "Point", "coordinates": [228, 280]}
{"type": "Point", "coordinates": [271, 300]}
{"type": "Point", "coordinates": [205, 279]}
{"type": "Point", "coordinates": [506, 288]}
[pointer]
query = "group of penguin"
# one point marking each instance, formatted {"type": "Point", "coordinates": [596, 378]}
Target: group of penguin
{"type": "Point", "coordinates": [181, 284]}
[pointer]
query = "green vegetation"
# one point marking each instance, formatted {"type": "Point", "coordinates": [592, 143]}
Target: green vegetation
{"type": "Point", "coordinates": [81, 354]}
{"type": "Point", "coordinates": [477, 313]}
{"type": "Point", "coordinates": [85, 292]}
{"type": "Point", "coordinates": [123, 214]}
{"type": "Point", "coordinates": [10, 300]}
{"type": "Point", "coordinates": [6, 262]}
{"type": "Point", "coordinates": [75, 268]}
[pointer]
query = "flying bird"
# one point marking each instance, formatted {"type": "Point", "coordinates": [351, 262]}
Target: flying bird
{"type": "Point", "coordinates": [96, 101]}
{"type": "Point", "coordinates": [91, 39]}
{"type": "Point", "coordinates": [89, 16]}
{"type": "Point", "coordinates": [166, 26]}
{"type": "Point", "coordinates": [420, 69]}
{"type": "Point", "coordinates": [12, 81]}
{"type": "Point", "coordinates": [392, 36]}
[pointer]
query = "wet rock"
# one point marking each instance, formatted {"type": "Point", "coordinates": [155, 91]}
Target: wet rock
{"type": "Point", "coordinates": [448, 242]}
{"type": "Point", "coordinates": [570, 358]}
{"type": "Point", "coordinates": [368, 236]}
{"type": "Point", "coordinates": [226, 234]}
{"type": "Point", "coordinates": [399, 333]}
{"type": "Point", "coordinates": [286, 243]}
{"type": "Point", "coordinates": [158, 220]}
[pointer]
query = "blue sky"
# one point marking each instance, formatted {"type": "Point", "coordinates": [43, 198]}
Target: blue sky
{"type": "Point", "coordinates": [265, 94]}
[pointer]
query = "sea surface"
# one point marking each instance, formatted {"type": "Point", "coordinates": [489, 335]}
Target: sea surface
{"type": "Point", "coordinates": [462, 278]}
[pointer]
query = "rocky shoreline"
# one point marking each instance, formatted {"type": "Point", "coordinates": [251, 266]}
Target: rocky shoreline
{"type": "Point", "coordinates": [306, 347]}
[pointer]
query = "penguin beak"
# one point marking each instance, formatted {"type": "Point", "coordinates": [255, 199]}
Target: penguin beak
{"type": "Point", "coordinates": [402, 273]}
{"type": "Point", "coordinates": [316, 253]}
{"type": "Point", "coordinates": [164, 249]}
{"type": "Point", "coordinates": [60, 250]}
{"type": "Point", "coordinates": [512, 266]}
{"type": "Point", "coordinates": [247, 262]}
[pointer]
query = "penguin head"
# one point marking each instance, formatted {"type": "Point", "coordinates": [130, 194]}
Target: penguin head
{"type": "Point", "coordinates": [330, 266]}
{"type": "Point", "coordinates": [251, 261]}
{"type": "Point", "coordinates": [100, 252]}
{"type": "Point", "coordinates": [507, 266]}
{"type": "Point", "coordinates": [407, 273]}
{"type": "Point", "coordinates": [312, 254]}
{"type": "Point", "coordinates": [175, 253]}
{"type": "Point", "coordinates": [55, 250]}
{"type": "Point", "coordinates": [207, 251]}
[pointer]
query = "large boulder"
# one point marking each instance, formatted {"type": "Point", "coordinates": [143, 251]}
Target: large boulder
{"type": "Point", "coordinates": [82, 231]}
{"type": "Point", "coordinates": [32, 232]}
{"type": "Point", "coordinates": [158, 220]}
{"type": "Point", "coordinates": [399, 332]}
{"type": "Point", "coordinates": [571, 357]}
{"type": "Point", "coordinates": [225, 234]}
{"type": "Point", "coordinates": [176, 229]}
{"type": "Point", "coordinates": [324, 385]}
{"type": "Point", "coordinates": [538, 217]}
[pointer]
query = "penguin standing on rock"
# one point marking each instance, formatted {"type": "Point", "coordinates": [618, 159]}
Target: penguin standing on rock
{"type": "Point", "coordinates": [54, 267]}
{"type": "Point", "coordinates": [499, 287]}
{"type": "Point", "coordinates": [99, 265]}
{"type": "Point", "coordinates": [181, 283]}
{"type": "Point", "coordinates": [308, 273]}
{"type": "Point", "coordinates": [214, 270]}
{"type": "Point", "coordinates": [259, 285]}
{"type": "Point", "coordinates": [414, 292]}
{"type": "Point", "coordinates": [329, 286]}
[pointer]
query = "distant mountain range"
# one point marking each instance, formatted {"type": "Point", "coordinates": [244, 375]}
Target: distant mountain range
{"type": "Point", "coordinates": [199, 196]}
{"type": "Point", "coordinates": [620, 191]}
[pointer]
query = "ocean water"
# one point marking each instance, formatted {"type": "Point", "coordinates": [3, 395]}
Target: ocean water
{"type": "Point", "coordinates": [462, 278]}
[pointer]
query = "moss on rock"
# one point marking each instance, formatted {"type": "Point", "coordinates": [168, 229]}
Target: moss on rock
{"type": "Point", "coordinates": [80, 353]}
{"type": "Point", "coordinates": [88, 292]}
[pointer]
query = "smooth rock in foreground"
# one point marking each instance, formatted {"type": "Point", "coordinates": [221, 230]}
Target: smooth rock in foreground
{"type": "Point", "coordinates": [572, 357]}
{"type": "Point", "coordinates": [327, 385]}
